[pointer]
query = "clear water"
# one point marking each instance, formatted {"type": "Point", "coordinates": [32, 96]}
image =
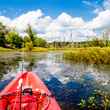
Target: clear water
{"type": "Point", "coordinates": [67, 81]}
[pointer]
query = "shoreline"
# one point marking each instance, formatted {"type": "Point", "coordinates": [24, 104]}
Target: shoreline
{"type": "Point", "coordinates": [87, 55]}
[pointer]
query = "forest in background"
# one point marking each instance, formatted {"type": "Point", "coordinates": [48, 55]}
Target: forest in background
{"type": "Point", "coordinates": [9, 38]}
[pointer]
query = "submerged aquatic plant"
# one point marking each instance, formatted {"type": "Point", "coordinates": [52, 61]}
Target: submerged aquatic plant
{"type": "Point", "coordinates": [82, 104]}
{"type": "Point", "coordinates": [99, 100]}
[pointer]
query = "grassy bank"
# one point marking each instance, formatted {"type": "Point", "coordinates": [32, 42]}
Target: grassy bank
{"type": "Point", "coordinates": [42, 49]}
{"type": "Point", "coordinates": [89, 55]}
{"type": "Point", "coordinates": [35, 49]}
{"type": "Point", "coordinates": [5, 49]}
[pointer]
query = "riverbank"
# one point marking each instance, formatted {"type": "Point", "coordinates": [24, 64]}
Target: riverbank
{"type": "Point", "coordinates": [39, 49]}
{"type": "Point", "coordinates": [35, 49]}
{"type": "Point", "coordinates": [6, 49]}
{"type": "Point", "coordinates": [89, 55]}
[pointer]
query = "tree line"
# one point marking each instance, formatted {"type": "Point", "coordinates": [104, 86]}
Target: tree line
{"type": "Point", "coordinates": [11, 39]}
{"type": "Point", "coordinates": [103, 41]}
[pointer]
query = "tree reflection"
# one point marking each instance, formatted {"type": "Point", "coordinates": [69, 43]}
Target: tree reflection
{"type": "Point", "coordinates": [8, 64]}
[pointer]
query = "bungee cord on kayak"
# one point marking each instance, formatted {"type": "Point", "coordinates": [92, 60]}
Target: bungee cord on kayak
{"type": "Point", "coordinates": [39, 99]}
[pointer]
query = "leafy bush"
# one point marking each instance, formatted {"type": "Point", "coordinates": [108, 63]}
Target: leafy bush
{"type": "Point", "coordinates": [97, 101]}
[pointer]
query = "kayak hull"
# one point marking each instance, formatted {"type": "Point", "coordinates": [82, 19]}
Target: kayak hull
{"type": "Point", "coordinates": [31, 80]}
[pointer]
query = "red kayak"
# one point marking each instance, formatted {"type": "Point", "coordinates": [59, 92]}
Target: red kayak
{"type": "Point", "coordinates": [27, 92]}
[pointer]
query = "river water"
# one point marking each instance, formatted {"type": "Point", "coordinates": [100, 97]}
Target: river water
{"type": "Point", "coordinates": [67, 81]}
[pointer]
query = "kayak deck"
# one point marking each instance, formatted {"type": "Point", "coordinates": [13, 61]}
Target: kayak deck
{"type": "Point", "coordinates": [30, 80]}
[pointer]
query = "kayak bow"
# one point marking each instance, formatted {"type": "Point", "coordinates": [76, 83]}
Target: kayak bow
{"type": "Point", "coordinates": [27, 92]}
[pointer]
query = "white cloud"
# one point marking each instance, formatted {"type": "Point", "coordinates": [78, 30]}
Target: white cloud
{"type": "Point", "coordinates": [101, 21]}
{"type": "Point", "coordinates": [106, 4]}
{"type": "Point", "coordinates": [97, 10]}
{"type": "Point", "coordinates": [97, 5]}
{"type": "Point", "coordinates": [64, 27]}
{"type": "Point", "coordinates": [21, 22]}
{"type": "Point", "coordinates": [88, 3]}
{"type": "Point", "coordinates": [5, 20]}
{"type": "Point", "coordinates": [66, 20]}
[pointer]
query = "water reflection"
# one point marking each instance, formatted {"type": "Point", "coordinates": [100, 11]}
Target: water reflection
{"type": "Point", "coordinates": [8, 63]}
{"type": "Point", "coordinates": [68, 82]}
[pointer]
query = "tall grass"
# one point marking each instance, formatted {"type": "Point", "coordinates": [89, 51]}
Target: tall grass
{"type": "Point", "coordinates": [90, 55]}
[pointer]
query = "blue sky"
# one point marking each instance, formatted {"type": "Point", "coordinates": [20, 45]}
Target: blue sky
{"type": "Point", "coordinates": [58, 19]}
{"type": "Point", "coordinates": [79, 8]}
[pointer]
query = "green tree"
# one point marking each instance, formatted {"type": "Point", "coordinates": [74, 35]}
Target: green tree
{"type": "Point", "coordinates": [29, 46]}
{"type": "Point", "coordinates": [3, 32]}
{"type": "Point", "coordinates": [39, 42]}
{"type": "Point", "coordinates": [32, 37]}
{"type": "Point", "coordinates": [14, 39]}
{"type": "Point", "coordinates": [28, 43]}
{"type": "Point", "coordinates": [30, 33]}
{"type": "Point", "coordinates": [27, 39]}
